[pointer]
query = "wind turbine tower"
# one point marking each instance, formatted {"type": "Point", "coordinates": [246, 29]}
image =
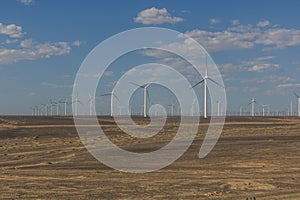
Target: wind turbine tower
{"type": "Point", "coordinates": [291, 109]}
{"type": "Point", "coordinates": [265, 106]}
{"type": "Point", "coordinates": [219, 108]}
{"type": "Point", "coordinates": [172, 109]}
{"type": "Point", "coordinates": [241, 110]}
{"type": "Point", "coordinates": [204, 81]}
{"type": "Point", "coordinates": [91, 104]}
{"type": "Point", "coordinates": [252, 106]}
{"type": "Point", "coordinates": [111, 101]}
{"type": "Point", "coordinates": [298, 98]}
{"type": "Point", "coordinates": [146, 94]}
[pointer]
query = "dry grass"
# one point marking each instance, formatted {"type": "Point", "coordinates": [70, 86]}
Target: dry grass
{"type": "Point", "coordinates": [43, 158]}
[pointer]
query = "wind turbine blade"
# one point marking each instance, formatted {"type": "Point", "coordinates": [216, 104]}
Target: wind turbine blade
{"type": "Point", "coordinates": [116, 97]}
{"type": "Point", "coordinates": [198, 83]}
{"type": "Point", "coordinates": [296, 95]}
{"type": "Point", "coordinates": [148, 96]}
{"type": "Point", "coordinates": [141, 86]}
{"type": "Point", "coordinates": [258, 103]}
{"type": "Point", "coordinates": [107, 94]}
{"type": "Point", "coordinates": [212, 80]}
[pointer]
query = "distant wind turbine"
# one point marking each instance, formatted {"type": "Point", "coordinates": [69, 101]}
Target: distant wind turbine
{"type": "Point", "coordinates": [65, 102]}
{"type": "Point", "coordinates": [219, 108]}
{"type": "Point", "coordinates": [146, 94]}
{"type": "Point", "coordinates": [172, 109]}
{"type": "Point", "coordinates": [91, 101]}
{"type": "Point", "coordinates": [265, 106]}
{"type": "Point", "coordinates": [52, 104]}
{"type": "Point", "coordinates": [298, 98]}
{"type": "Point", "coordinates": [252, 106]}
{"type": "Point", "coordinates": [291, 105]}
{"type": "Point", "coordinates": [241, 110]}
{"type": "Point", "coordinates": [192, 111]}
{"type": "Point", "coordinates": [112, 94]}
{"type": "Point", "coordinates": [75, 103]}
{"type": "Point", "coordinates": [204, 80]}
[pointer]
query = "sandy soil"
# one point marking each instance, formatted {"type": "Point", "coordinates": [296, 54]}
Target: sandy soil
{"type": "Point", "coordinates": [43, 158]}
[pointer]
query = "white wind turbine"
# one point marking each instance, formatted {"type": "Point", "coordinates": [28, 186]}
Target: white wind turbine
{"type": "Point", "coordinates": [33, 110]}
{"type": "Point", "coordinates": [146, 94]}
{"type": "Point", "coordinates": [298, 98]}
{"type": "Point", "coordinates": [76, 101]}
{"type": "Point", "coordinates": [291, 108]}
{"type": "Point", "coordinates": [252, 106]}
{"type": "Point", "coordinates": [241, 110]}
{"type": "Point", "coordinates": [219, 108]}
{"type": "Point", "coordinates": [204, 80]}
{"type": "Point", "coordinates": [91, 101]}
{"type": "Point", "coordinates": [192, 108]}
{"type": "Point", "coordinates": [65, 102]}
{"type": "Point", "coordinates": [112, 94]}
{"type": "Point", "coordinates": [57, 107]}
{"type": "Point", "coordinates": [265, 106]}
{"type": "Point", "coordinates": [52, 104]}
{"type": "Point", "coordinates": [172, 109]}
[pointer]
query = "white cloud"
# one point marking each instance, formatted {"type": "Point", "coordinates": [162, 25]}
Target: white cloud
{"type": "Point", "coordinates": [77, 43]}
{"type": "Point", "coordinates": [263, 23]}
{"type": "Point", "coordinates": [279, 38]}
{"type": "Point", "coordinates": [238, 37]}
{"type": "Point", "coordinates": [96, 75]}
{"type": "Point", "coordinates": [55, 85]}
{"type": "Point", "coordinates": [108, 73]}
{"type": "Point", "coordinates": [26, 2]}
{"type": "Point", "coordinates": [235, 22]}
{"type": "Point", "coordinates": [246, 37]}
{"type": "Point", "coordinates": [214, 21]}
{"type": "Point", "coordinates": [156, 16]}
{"type": "Point", "coordinates": [11, 30]}
{"type": "Point", "coordinates": [10, 41]}
{"type": "Point", "coordinates": [26, 43]}
{"type": "Point", "coordinates": [264, 58]}
{"type": "Point", "coordinates": [186, 11]}
{"type": "Point", "coordinates": [289, 85]}
{"type": "Point", "coordinates": [264, 67]}
{"type": "Point", "coordinates": [28, 50]}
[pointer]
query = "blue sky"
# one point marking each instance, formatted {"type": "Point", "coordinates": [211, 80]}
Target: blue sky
{"type": "Point", "coordinates": [255, 44]}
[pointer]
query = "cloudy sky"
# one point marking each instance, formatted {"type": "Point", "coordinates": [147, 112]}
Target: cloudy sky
{"type": "Point", "coordinates": [255, 44]}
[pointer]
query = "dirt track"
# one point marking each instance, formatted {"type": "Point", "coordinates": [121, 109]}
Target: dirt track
{"type": "Point", "coordinates": [43, 158]}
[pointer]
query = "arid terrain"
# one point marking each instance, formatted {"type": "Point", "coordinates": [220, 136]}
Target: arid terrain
{"type": "Point", "coordinates": [43, 158]}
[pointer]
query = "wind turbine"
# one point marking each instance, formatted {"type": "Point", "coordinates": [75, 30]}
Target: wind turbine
{"type": "Point", "coordinates": [57, 107]}
{"type": "Point", "coordinates": [32, 110]}
{"type": "Point", "coordinates": [219, 108]}
{"type": "Point", "coordinates": [65, 102]}
{"type": "Point", "coordinates": [252, 106]}
{"type": "Point", "coordinates": [91, 101]}
{"type": "Point", "coordinates": [172, 109]}
{"type": "Point", "coordinates": [146, 94]}
{"type": "Point", "coordinates": [111, 101]}
{"type": "Point", "coordinates": [241, 110]}
{"type": "Point", "coordinates": [265, 106]}
{"type": "Point", "coordinates": [298, 97]}
{"type": "Point", "coordinates": [45, 109]}
{"type": "Point", "coordinates": [76, 101]}
{"type": "Point", "coordinates": [41, 109]}
{"type": "Point", "coordinates": [204, 80]}
{"type": "Point", "coordinates": [52, 104]}
{"type": "Point", "coordinates": [192, 111]}
{"type": "Point", "coordinates": [291, 108]}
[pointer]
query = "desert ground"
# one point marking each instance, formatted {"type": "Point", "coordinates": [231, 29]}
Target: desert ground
{"type": "Point", "coordinates": [44, 158]}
